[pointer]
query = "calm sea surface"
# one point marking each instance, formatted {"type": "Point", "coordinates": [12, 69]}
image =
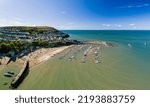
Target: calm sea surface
{"type": "Point", "coordinates": [132, 55]}
{"type": "Point", "coordinates": [137, 41]}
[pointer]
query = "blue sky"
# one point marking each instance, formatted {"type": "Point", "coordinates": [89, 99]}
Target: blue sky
{"type": "Point", "coordinates": [77, 14]}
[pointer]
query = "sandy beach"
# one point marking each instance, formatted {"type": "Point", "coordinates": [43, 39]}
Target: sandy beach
{"type": "Point", "coordinates": [43, 54]}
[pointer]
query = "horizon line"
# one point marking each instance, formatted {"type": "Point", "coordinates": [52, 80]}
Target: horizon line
{"type": "Point", "coordinates": [70, 29]}
{"type": "Point", "coordinates": [104, 29]}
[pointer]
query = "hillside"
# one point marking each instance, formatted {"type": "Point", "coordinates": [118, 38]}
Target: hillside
{"type": "Point", "coordinates": [20, 40]}
{"type": "Point", "coordinates": [30, 31]}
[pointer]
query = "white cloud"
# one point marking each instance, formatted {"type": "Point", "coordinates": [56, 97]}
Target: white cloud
{"type": "Point", "coordinates": [119, 25]}
{"type": "Point", "coordinates": [64, 27]}
{"type": "Point", "coordinates": [146, 4]}
{"type": "Point", "coordinates": [136, 6]}
{"type": "Point", "coordinates": [107, 25]}
{"type": "Point", "coordinates": [131, 24]}
{"type": "Point", "coordinates": [129, 6]}
{"type": "Point", "coordinates": [112, 25]}
{"type": "Point", "coordinates": [12, 22]}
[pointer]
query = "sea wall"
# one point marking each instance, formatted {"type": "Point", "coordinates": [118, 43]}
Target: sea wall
{"type": "Point", "coordinates": [21, 76]}
{"type": "Point", "coordinates": [104, 44]}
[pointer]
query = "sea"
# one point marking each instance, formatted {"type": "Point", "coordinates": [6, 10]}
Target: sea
{"type": "Point", "coordinates": [131, 53]}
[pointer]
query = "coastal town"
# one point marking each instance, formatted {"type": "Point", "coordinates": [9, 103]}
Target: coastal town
{"type": "Point", "coordinates": [19, 41]}
{"type": "Point", "coordinates": [30, 34]}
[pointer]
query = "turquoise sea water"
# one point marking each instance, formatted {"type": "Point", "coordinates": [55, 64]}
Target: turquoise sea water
{"type": "Point", "coordinates": [132, 54]}
{"type": "Point", "coordinates": [137, 41]}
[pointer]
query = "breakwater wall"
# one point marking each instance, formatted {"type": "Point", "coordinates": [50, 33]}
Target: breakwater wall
{"type": "Point", "coordinates": [21, 76]}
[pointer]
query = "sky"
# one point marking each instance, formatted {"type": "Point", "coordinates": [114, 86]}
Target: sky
{"type": "Point", "coordinates": [77, 14]}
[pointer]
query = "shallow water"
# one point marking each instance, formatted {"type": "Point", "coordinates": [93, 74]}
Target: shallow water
{"type": "Point", "coordinates": [132, 53]}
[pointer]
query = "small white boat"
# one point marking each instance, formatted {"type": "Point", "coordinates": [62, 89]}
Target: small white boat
{"type": "Point", "coordinates": [129, 45]}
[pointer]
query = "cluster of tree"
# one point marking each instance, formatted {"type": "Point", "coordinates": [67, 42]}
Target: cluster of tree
{"type": "Point", "coordinates": [49, 44]}
{"type": "Point", "coordinates": [18, 46]}
{"type": "Point", "coordinates": [31, 30]}
{"type": "Point", "coordinates": [15, 46]}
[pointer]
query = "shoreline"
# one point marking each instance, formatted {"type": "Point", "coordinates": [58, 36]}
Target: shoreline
{"type": "Point", "coordinates": [43, 54]}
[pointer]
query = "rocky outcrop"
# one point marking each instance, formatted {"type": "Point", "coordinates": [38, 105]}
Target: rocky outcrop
{"type": "Point", "coordinates": [5, 60]}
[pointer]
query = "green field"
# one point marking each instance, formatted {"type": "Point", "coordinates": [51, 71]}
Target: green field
{"type": "Point", "coordinates": [5, 68]}
{"type": "Point", "coordinates": [117, 71]}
